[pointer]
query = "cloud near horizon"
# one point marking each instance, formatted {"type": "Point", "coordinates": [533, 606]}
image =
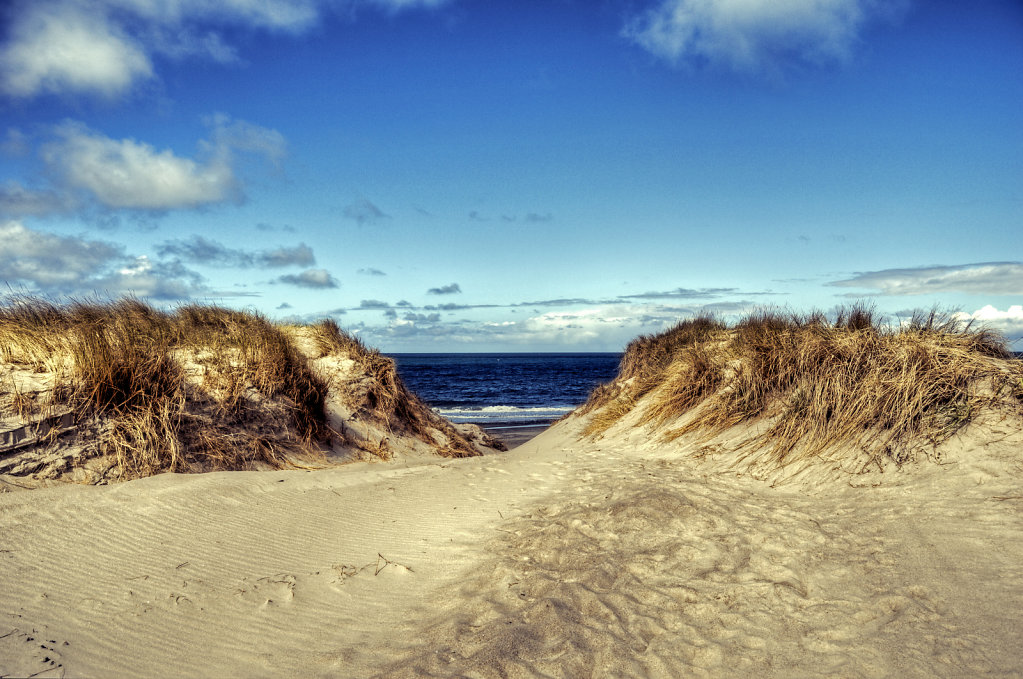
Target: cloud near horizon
{"type": "Point", "coordinates": [684, 293]}
{"type": "Point", "coordinates": [598, 328]}
{"type": "Point", "coordinates": [1009, 322]}
{"type": "Point", "coordinates": [986, 278]}
{"type": "Point", "coordinates": [51, 264]}
{"type": "Point", "coordinates": [755, 35]}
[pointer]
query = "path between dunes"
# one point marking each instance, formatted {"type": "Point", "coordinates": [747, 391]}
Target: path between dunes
{"type": "Point", "coordinates": [561, 559]}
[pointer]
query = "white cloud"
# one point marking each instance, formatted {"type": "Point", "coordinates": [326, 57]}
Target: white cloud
{"type": "Point", "coordinates": [61, 47]}
{"type": "Point", "coordinates": [399, 5]}
{"type": "Point", "coordinates": [156, 280]}
{"type": "Point", "coordinates": [598, 328]}
{"type": "Point", "coordinates": [49, 260]}
{"type": "Point", "coordinates": [987, 278]}
{"type": "Point", "coordinates": [289, 15]}
{"type": "Point", "coordinates": [182, 43]}
{"type": "Point", "coordinates": [754, 35]}
{"type": "Point", "coordinates": [1009, 322]}
{"type": "Point", "coordinates": [52, 264]}
{"type": "Point", "coordinates": [107, 46]}
{"type": "Point", "coordinates": [130, 174]}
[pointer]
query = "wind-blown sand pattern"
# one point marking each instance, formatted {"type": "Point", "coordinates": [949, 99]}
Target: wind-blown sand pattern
{"type": "Point", "coordinates": [611, 558]}
{"type": "Point", "coordinates": [575, 555]}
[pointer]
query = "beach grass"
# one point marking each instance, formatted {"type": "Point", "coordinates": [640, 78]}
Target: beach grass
{"type": "Point", "coordinates": [889, 391]}
{"type": "Point", "coordinates": [198, 388]}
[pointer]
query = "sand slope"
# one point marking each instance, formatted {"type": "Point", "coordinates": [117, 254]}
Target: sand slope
{"type": "Point", "coordinates": [563, 558]}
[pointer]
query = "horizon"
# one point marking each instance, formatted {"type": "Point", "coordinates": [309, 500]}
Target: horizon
{"type": "Point", "coordinates": [442, 176]}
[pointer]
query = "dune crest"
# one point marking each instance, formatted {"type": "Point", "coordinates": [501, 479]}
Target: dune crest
{"type": "Point", "coordinates": [92, 393]}
{"type": "Point", "coordinates": [779, 394]}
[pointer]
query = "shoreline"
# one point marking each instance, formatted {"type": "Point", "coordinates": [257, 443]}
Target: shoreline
{"type": "Point", "coordinates": [514, 435]}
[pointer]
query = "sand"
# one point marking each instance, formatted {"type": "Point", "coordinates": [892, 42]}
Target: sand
{"type": "Point", "coordinates": [613, 557]}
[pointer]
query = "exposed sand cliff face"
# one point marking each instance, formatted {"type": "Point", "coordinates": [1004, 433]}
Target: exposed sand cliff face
{"type": "Point", "coordinates": [104, 393]}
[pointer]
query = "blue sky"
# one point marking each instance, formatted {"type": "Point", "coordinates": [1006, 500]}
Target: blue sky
{"type": "Point", "coordinates": [462, 175]}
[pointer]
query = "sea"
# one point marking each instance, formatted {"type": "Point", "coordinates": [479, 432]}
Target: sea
{"type": "Point", "coordinates": [505, 391]}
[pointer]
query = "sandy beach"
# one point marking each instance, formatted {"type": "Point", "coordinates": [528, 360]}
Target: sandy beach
{"type": "Point", "coordinates": [563, 557]}
{"type": "Point", "coordinates": [702, 515]}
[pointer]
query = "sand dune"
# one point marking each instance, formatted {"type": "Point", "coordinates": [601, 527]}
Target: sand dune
{"type": "Point", "coordinates": [614, 544]}
{"type": "Point", "coordinates": [561, 558]}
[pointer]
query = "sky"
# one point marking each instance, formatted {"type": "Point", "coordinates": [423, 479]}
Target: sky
{"type": "Point", "coordinates": [474, 175]}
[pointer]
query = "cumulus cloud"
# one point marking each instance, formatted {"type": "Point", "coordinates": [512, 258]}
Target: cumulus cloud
{"type": "Point", "coordinates": [200, 250]}
{"type": "Point", "coordinates": [371, 272]}
{"type": "Point", "coordinates": [108, 46]}
{"type": "Point", "coordinates": [56, 47]}
{"type": "Point", "coordinates": [311, 278]}
{"type": "Point", "coordinates": [51, 261]}
{"type": "Point", "coordinates": [373, 304]}
{"type": "Point", "coordinates": [53, 264]}
{"type": "Point", "coordinates": [451, 289]}
{"type": "Point", "coordinates": [364, 212]}
{"type": "Point", "coordinates": [988, 278]}
{"type": "Point", "coordinates": [755, 35]}
{"type": "Point", "coordinates": [157, 280]}
{"type": "Point", "coordinates": [130, 174]}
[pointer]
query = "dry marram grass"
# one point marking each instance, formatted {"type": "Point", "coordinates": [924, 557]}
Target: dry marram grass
{"type": "Point", "coordinates": [890, 392]}
{"type": "Point", "coordinates": [202, 388]}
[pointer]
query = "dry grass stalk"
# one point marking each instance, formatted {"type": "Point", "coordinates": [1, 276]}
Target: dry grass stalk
{"type": "Point", "coordinates": [889, 392]}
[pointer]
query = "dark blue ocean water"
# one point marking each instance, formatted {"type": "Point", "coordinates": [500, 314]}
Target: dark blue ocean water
{"type": "Point", "coordinates": [505, 389]}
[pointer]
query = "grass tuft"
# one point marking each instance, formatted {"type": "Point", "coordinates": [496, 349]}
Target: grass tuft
{"type": "Point", "coordinates": [890, 392]}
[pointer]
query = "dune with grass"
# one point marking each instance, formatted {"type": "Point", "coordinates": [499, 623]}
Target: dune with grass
{"type": "Point", "coordinates": [788, 496]}
{"type": "Point", "coordinates": [96, 392]}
